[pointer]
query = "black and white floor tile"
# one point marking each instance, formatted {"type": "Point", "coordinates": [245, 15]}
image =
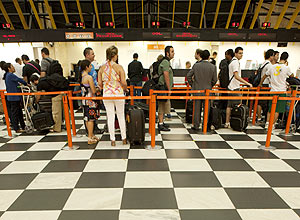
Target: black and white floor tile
{"type": "Point", "coordinates": [221, 176]}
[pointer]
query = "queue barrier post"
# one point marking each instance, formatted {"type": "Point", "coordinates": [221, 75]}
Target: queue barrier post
{"type": "Point", "coordinates": [289, 119]}
{"type": "Point", "coordinates": [131, 94]}
{"type": "Point", "coordinates": [72, 113]}
{"type": "Point", "coordinates": [255, 107]}
{"type": "Point", "coordinates": [6, 114]}
{"type": "Point", "coordinates": [68, 126]}
{"type": "Point", "coordinates": [267, 146]}
{"type": "Point", "coordinates": [205, 120]}
{"type": "Point", "coordinates": [152, 112]}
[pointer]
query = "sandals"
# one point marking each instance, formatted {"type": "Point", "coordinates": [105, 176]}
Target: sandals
{"type": "Point", "coordinates": [113, 143]}
{"type": "Point", "coordinates": [125, 141]}
{"type": "Point", "coordinates": [96, 138]}
{"type": "Point", "coordinates": [92, 141]}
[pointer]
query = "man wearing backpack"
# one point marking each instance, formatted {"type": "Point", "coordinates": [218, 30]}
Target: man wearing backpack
{"type": "Point", "coordinates": [224, 69]}
{"type": "Point", "coordinates": [235, 79]}
{"type": "Point", "coordinates": [265, 67]}
{"type": "Point", "coordinates": [165, 82]}
{"type": "Point", "coordinates": [46, 62]}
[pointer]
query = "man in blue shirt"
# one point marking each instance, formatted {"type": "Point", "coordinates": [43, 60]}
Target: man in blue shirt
{"type": "Point", "coordinates": [14, 103]}
{"type": "Point", "coordinates": [90, 55]}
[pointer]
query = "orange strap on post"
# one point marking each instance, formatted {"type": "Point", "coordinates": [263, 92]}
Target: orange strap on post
{"type": "Point", "coordinates": [271, 121]}
{"type": "Point", "coordinates": [289, 120]}
{"type": "Point", "coordinates": [205, 120]}
{"type": "Point", "coordinates": [67, 120]}
{"type": "Point", "coordinates": [153, 114]}
{"type": "Point", "coordinates": [72, 113]}
{"type": "Point", "coordinates": [6, 113]}
{"type": "Point", "coordinates": [131, 94]}
{"type": "Point", "coordinates": [255, 107]}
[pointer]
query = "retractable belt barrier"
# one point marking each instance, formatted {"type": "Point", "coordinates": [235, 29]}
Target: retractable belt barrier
{"type": "Point", "coordinates": [154, 96]}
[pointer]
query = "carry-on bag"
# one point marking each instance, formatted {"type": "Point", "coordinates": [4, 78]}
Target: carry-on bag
{"type": "Point", "coordinates": [42, 120]}
{"type": "Point", "coordinates": [239, 117]}
{"type": "Point", "coordinates": [135, 121]}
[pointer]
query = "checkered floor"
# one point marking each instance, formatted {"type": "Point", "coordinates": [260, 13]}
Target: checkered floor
{"type": "Point", "coordinates": [222, 176]}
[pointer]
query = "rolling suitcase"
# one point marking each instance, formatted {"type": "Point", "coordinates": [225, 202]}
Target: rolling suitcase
{"type": "Point", "coordinates": [144, 107]}
{"type": "Point", "coordinates": [135, 121]}
{"type": "Point", "coordinates": [189, 112]}
{"type": "Point", "coordinates": [239, 117]}
{"type": "Point", "coordinates": [42, 120]}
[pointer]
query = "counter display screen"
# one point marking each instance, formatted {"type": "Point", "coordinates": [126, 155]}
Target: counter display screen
{"type": "Point", "coordinates": [10, 37]}
{"type": "Point", "coordinates": [79, 35]}
{"type": "Point", "coordinates": [186, 35]}
{"type": "Point", "coordinates": [262, 36]}
{"type": "Point", "coordinates": [109, 35]}
{"type": "Point", "coordinates": [232, 36]}
{"type": "Point", "coordinates": [297, 36]}
{"type": "Point", "coordinates": [157, 35]}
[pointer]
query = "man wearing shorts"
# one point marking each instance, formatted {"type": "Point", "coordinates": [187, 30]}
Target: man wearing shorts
{"type": "Point", "coordinates": [278, 75]}
{"type": "Point", "coordinates": [166, 82]}
{"type": "Point", "coordinates": [235, 78]}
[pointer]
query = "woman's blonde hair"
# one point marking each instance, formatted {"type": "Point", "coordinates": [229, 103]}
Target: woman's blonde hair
{"type": "Point", "coordinates": [111, 52]}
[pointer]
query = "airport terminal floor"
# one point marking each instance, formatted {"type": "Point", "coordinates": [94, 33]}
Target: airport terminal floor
{"type": "Point", "coordinates": [221, 176]}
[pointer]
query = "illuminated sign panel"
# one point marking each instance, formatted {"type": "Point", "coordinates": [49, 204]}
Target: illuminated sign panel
{"type": "Point", "coordinates": [157, 35]}
{"type": "Point", "coordinates": [186, 35]}
{"type": "Point", "coordinates": [79, 35]}
{"type": "Point", "coordinates": [10, 37]}
{"type": "Point", "coordinates": [109, 35]}
{"type": "Point", "coordinates": [232, 36]}
{"type": "Point", "coordinates": [262, 36]}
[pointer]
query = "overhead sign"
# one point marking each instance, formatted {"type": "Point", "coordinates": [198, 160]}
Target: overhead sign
{"type": "Point", "coordinates": [10, 37]}
{"type": "Point", "coordinates": [79, 35]}
{"type": "Point", "coordinates": [109, 35]}
{"type": "Point", "coordinates": [262, 36]}
{"type": "Point", "coordinates": [186, 35]}
{"type": "Point", "coordinates": [232, 36]}
{"type": "Point", "coordinates": [157, 35]}
{"type": "Point", "coordinates": [155, 47]}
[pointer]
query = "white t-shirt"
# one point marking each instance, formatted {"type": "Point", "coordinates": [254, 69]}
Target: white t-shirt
{"type": "Point", "coordinates": [234, 66]}
{"type": "Point", "coordinates": [19, 69]}
{"type": "Point", "coordinates": [2, 82]}
{"type": "Point", "coordinates": [278, 74]}
{"type": "Point", "coordinates": [266, 69]}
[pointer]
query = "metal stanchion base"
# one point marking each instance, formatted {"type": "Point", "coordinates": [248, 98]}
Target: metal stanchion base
{"type": "Point", "coordinates": [263, 147]}
{"type": "Point", "coordinates": [10, 137]}
{"type": "Point", "coordinates": [286, 135]}
{"type": "Point", "coordinates": [67, 148]}
{"type": "Point", "coordinates": [156, 147]}
{"type": "Point", "coordinates": [77, 136]}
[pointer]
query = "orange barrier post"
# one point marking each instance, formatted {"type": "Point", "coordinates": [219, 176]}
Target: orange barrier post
{"type": "Point", "coordinates": [153, 112]}
{"type": "Point", "coordinates": [255, 107]}
{"type": "Point", "coordinates": [205, 120]}
{"type": "Point", "coordinates": [67, 119]}
{"type": "Point", "coordinates": [289, 120]}
{"type": "Point", "coordinates": [271, 122]}
{"type": "Point", "coordinates": [131, 94]}
{"type": "Point", "coordinates": [151, 120]}
{"type": "Point", "coordinates": [193, 112]}
{"type": "Point", "coordinates": [72, 113]}
{"type": "Point", "coordinates": [6, 113]}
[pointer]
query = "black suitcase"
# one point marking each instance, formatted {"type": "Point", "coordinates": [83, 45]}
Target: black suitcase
{"type": "Point", "coordinates": [135, 121]}
{"type": "Point", "coordinates": [144, 107]}
{"type": "Point", "coordinates": [42, 120]}
{"type": "Point", "coordinates": [239, 117]}
{"type": "Point", "coordinates": [189, 112]}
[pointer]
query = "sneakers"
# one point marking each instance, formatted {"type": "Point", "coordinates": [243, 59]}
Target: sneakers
{"type": "Point", "coordinates": [166, 125]}
{"type": "Point", "coordinates": [161, 127]}
{"type": "Point", "coordinates": [195, 129]}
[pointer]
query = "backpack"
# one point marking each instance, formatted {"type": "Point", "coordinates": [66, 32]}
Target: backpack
{"type": "Point", "coordinates": [54, 65]}
{"type": "Point", "coordinates": [224, 76]}
{"type": "Point", "coordinates": [257, 77]}
{"type": "Point", "coordinates": [57, 82]}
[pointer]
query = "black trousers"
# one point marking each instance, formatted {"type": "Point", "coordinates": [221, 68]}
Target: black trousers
{"type": "Point", "coordinates": [16, 115]}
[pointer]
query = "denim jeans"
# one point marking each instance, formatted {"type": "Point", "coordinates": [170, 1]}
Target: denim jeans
{"type": "Point", "coordinates": [136, 92]}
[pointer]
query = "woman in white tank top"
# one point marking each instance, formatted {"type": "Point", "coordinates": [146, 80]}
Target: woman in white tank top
{"type": "Point", "coordinates": [111, 79]}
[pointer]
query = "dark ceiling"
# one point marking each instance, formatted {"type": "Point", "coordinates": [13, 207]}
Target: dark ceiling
{"type": "Point", "coordinates": [150, 9]}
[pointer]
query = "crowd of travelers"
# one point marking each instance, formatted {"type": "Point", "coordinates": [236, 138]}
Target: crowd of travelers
{"type": "Point", "coordinates": [110, 81]}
